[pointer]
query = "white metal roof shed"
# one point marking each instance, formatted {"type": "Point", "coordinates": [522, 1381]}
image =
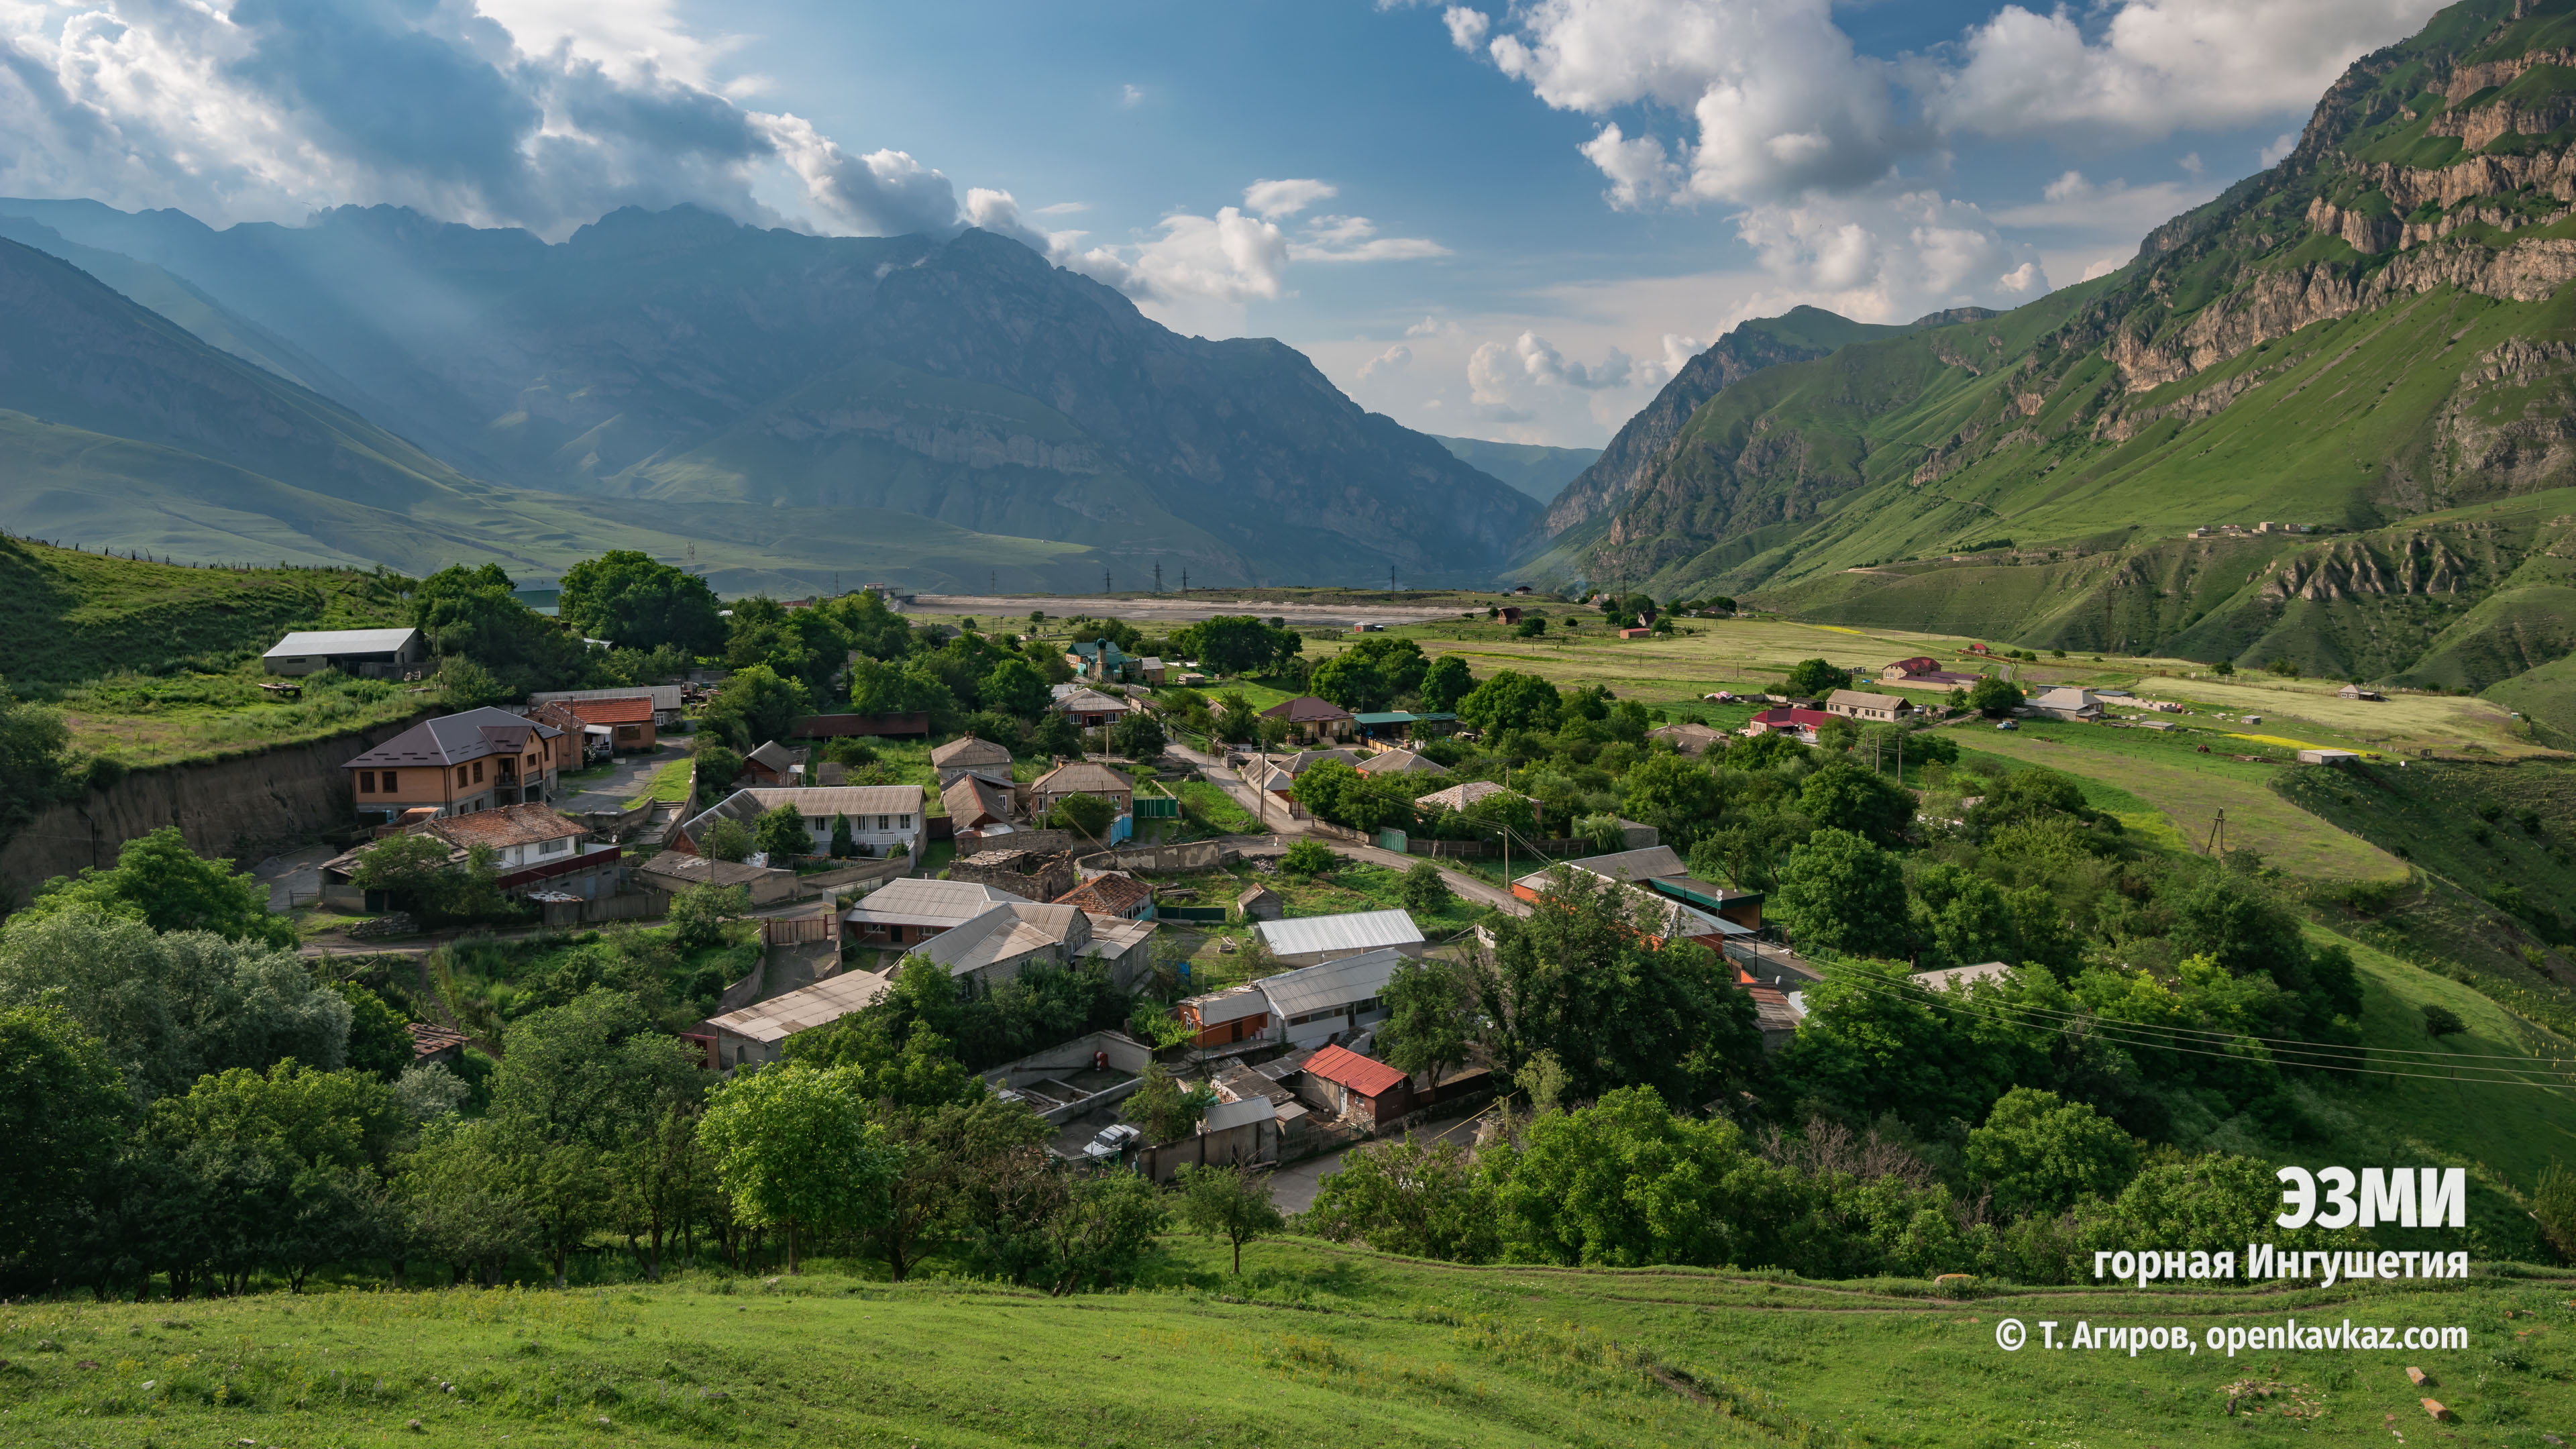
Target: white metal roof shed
{"type": "Point", "coordinates": [1335, 983]}
{"type": "Point", "coordinates": [1355, 931]}
{"type": "Point", "coordinates": [308, 642]}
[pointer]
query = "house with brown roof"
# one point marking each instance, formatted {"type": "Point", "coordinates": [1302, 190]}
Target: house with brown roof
{"type": "Point", "coordinates": [775, 764]}
{"type": "Point", "coordinates": [1309, 718]}
{"type": "Point", "coordinates": [1858, 704]}
{"type": "Point", "coordinates": [974, 803]}
{"type": "Point", "coordinates": [1928, 672]}
{"type": "Point", "coordinates": [1081, 777]}
{"type": "Point", "coordinates": [435, 1045]}
{"type": "Point", "coordinates": [457, 764]}
{"type": "Point", "coordinates": [968, 755]}
{"type": "Point", "coordinates": [1114, 893]}
{"type": "Point", "coordinates": [1090, 709]}
{"type": "Point", "coordinates": [1401, 762]}
{"type": "Point", "coordinates": [1459, 796]}
{"type": "Point", "coordinates": [530, 845]}
{"type": "Point", "coordinates": [629, 720]}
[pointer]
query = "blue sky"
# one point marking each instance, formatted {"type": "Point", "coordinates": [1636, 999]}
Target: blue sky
{"type": "Point", "coordinates": [1505, 221]}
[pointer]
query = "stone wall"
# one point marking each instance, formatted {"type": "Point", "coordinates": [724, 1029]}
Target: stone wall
{"type": "Point", "coordinates": [1024, 873]}
{"type": "Point", "coordinates": [243, 808]}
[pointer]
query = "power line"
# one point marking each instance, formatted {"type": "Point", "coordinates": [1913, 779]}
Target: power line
{"type": "Point", "coordinates": [2110, 1032]}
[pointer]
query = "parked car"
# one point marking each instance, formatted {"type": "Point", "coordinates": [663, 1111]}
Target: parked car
{"type": "Point", "coordinates": [1114, 1139]}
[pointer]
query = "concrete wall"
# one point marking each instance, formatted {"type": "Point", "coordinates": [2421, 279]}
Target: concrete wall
{"type": "Point", "coordinates": [1155, 859]}
{"type": "Point", "coordinates": [243, 808]}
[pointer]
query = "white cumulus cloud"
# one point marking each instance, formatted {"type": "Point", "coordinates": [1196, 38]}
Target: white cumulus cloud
{"type": "Point", "coordinates": [2157, 66]}
{"type": "Point", "coordinates": [1286, 198]}
{"type": "Point", "coordinates": [1394, 359]}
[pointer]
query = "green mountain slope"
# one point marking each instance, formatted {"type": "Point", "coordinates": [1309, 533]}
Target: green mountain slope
{"type": "Point", "coordinates": [2370, 340]}
{"type": "Point", "coordinates": [121, 429]}
{"type": "Point", "coordinates": [1540, 471]}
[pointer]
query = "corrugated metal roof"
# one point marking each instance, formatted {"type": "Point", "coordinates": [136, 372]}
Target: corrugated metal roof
{"type": "Point", "coordinates": [1006, 933]}
{"type": "Point", "coordinates": [1459, 797]}
{"type": "Point", "coordinates": [1335, 983]}
{"type": "Point", "coordinates": [1225, 1116]}
{"type": "Point", "coordinates": [814, 802]}
{"type": "Point", "coordinates": [1364, 1075]}
{"type": "Point", "coordinates": [1233, 1004]}
{"type": "Point", "coordinates": [305, 642]}
{"type": "Point", "coordinates": [1355, 931]}
{"type": "Point", "coordinates": [916, 901]}
{"type": "Point", "coordinates": [820, 1004]}
{"type": "Point", "coordinates": [665, 697]}
{"type": "Point", "coordinates": [1961, 975]}
{"type": "Point", "coordinates": [1644, 864]}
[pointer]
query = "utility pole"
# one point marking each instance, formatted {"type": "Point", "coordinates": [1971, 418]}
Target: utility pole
{"type": "Point", "coordinates": [1158, 576]}
{"type": "Point", "coordinates": [1104, 581]}
{"type": "Point", "coordinates": [1185, 581]}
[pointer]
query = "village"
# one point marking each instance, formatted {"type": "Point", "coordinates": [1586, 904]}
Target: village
{"type": "Point", "coordinates": [997, 865]}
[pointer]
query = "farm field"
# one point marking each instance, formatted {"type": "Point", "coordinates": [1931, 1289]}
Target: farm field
{"type": "Point", "coordinates": [2310, 709]}
{"type": "Point", "coordinates": [2189, 789]}
{"type": "Point", "coordinates": [1314, 1343]}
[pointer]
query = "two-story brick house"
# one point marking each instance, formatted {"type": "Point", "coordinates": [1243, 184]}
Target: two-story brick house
{"type": "Point", "coordinates": [458, 764]}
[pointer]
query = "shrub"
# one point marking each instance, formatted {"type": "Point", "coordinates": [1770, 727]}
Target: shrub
{"type": "Point", "coordinates": [2442, 1021]}
{"type": "Point", "coordinates": [1424, 890]}
{"type": "Point", "coordinates": [1309, 857]}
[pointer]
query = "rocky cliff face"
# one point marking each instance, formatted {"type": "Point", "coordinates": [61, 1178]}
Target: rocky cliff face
{"type": "Point", "coordinates": [2444, 165]}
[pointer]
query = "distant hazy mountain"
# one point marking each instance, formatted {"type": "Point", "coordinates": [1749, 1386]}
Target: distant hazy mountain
{"type": "Point", "coordinates": [120, 428]}
{"type": "Point", "coordinates": [1534, 468]}
{"type": "Point", "coordinates": [801, 384]}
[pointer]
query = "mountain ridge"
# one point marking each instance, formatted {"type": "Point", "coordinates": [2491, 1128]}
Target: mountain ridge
{"type": "Point", "coordinates": [627, 360]}
{"type": "Point", "coordinates": [2373, 332]}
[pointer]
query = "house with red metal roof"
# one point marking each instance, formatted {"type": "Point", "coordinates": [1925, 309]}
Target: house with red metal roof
{"type": "Point", "coordinates": [629, 720]}
{"type": "Point", "coordinates": [1797, 720]}
{"type": "Point", "coordinates": [1343, 1083]}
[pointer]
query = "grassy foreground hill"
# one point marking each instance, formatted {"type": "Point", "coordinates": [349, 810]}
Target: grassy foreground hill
{"type": "Point", "coordinates": [1313, 1344]}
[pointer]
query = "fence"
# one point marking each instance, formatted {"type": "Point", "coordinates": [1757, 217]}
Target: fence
{"type": "Point", "coordinates": [1150, 807]}
{"type": "Point", "coordinates": [826, 726]}
{"type": "Point", "coordinates": [799, 930]}
{"type": "Point", "coordinates": [643, 906]}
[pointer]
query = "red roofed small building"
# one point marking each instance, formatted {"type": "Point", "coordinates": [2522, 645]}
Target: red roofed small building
{"type": "Point", "coordinates": [629, 721]}
{"type": "Point", "coordinates": [1112, 894]}
{"type": "Point", "coordinates": [1797, 720]}
{"type": "Point", "coordinates": [1364, 1089]}
{"type": "Point", "coordinates": [1923, 669]}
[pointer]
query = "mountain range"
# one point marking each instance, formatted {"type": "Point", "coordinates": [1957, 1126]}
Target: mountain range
{"type": "Point", "coordinates": [2326, 420]}
{"type": "Point", "coordinates": [782, 408]}
{"type": "Point", "coordinates": [2371, 342]}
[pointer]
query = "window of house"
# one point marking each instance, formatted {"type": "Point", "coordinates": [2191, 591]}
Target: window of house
{"type": "Point", "coordinates": [388, 781]}
{"type": "Point", "coordinates": [478, 772]}
{"type": "Point", "coordinates": [882, 822]}
{"type": "Point", "coordinates": [903, 822]}
{"type": "Point", "coordinates": [366, 782]}
{"type": "Point", "coordinates": [460, 774]}
{"type": "Point", "coordinates": [555, 847]}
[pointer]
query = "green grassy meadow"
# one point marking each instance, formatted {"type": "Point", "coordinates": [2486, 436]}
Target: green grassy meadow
{"type": "Point", "coordinates": [1314, 1343]}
